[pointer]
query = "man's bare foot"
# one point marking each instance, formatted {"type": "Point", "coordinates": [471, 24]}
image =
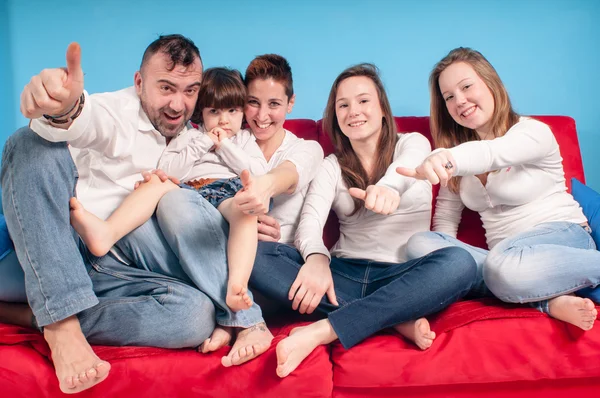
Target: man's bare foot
{"type": "Point", "coordinates": [92, 230]}
{"type": "Point", "coordinates": [77, 366]}
{"type": "Point", "coordinates": [249, 344]}
{"type": "Point", "coordinates": [292, 350]}
{"type": "Point", "coordinates": [419, 332]}
{"type": "Point", "coordinates": [220, 337]}
{"type": "Point", "coordinates": [237, 298]}
{"type": "Point", "coordinates": [578, 311]}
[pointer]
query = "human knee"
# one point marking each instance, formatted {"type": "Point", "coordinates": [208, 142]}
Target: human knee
{"type": "Point", "coordinates": [31, 151]}
{"type": "Point", "coordinates": [421, 244]}
{"type": "Point", "coordinates": [460, 264]}
{"type": "Point", "coordinates": [196, 322]}
{"type": "Point", "coordinates": [500, 277]}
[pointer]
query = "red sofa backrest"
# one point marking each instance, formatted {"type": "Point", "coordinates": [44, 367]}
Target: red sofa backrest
{"type": "Point", "coordinates": [470, 229]}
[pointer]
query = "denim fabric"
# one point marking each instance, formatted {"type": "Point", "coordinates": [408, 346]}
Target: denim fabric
{"type": "Point", "coordinates": [372, 295]}
{"type": "Point", "coordinates": [547, 261]}
{"type": "Point", "coordinates": [218, 191]}
{"type": "Point", "coordinates": [423, 243]}
{"type": "Point", "coordinates": [197, 233]}
{"type": "Point", "coordinates": [116, 303]}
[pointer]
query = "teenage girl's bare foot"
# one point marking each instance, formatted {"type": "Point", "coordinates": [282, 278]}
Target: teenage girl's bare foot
{"type": "Point", "coordinates": [419, 332]}
{"type": "Point", "coordinates": [92, 230]}
{"type": "Point", "coordinates": [237, 298]}
{"type": "Point", "coordinates": [219, 338]}
{"type": "Point", "coordinates": [578, 311]}
{"type": "Point", "coordinates": [249, 344]}
{"type": "Point", "coordinates": [294, 349]}
{"type": "Point", "coordinates": [77, 366]}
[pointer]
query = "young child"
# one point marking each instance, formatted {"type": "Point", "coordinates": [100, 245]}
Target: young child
{"type": "Point", "coordinates": [213, 159]}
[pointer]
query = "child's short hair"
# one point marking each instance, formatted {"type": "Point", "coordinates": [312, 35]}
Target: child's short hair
{"type": "Point", "coordinates": [271, 66]}
{"type": "Point", "coordinates": [221, 88]}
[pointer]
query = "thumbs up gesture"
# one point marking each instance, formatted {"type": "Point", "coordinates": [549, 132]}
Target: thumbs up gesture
{"type": "Point", "coordinates": [54, 91]}
{"type": "Point", "coordinates": [378, 199]}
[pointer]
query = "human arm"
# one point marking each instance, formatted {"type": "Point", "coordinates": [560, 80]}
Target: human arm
{"type": "Point", "coordinates": [384, 197]}
{"type": "Point", "coordinates": [184, 151]}
{"type": "Point", "coordinates": [448, 212]}
{"type": "Point", "coordinates": [231, 151]}
{"type": "Point", "coordinates": [527, 142]}
{"type": "Point", "coordinates": [314, 279]}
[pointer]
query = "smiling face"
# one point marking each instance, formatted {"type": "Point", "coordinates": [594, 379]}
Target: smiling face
{"type": "Point", "coordinates": [468, 99]}
{"type": "Point", "coordinates": [229, 120]}
{"type": "Point", "coordinates": [266, 108]}
{"type": "Point", "coordinates": [358, 109]}
{"type": "Point", "coordinates": [168, 96]}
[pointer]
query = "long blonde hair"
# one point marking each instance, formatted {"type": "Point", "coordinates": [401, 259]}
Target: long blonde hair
{"type": "Point", "coordinates": [445, 131]}
{"type": "Point", "coordinates": [353, 172]}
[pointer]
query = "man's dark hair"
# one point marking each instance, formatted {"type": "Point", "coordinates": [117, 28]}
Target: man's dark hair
{"type": "Point", "coordinates": [180, 49]}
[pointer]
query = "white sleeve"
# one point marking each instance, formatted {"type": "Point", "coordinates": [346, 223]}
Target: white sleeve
{"type": "Point", "coordinates": [527, 142]}
{"type": "Point", "coordinates": [183, 152]}
{"type": "Point", "coordinates": [411, 150]}
{"type": "Point", "coordinates": [448, 212]}
{"type": "Point", "coordinates": [318, 202]}
{"type": "Point", "coordinates": [307, 156]}
{"type": "Point", "coordinates": [97, 127]}
{"type": "Point", "coordinates": [237, 159]}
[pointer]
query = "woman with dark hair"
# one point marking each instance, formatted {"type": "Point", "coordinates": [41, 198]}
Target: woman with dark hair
{"type": "Point", "coordinates": [370, 285]}
{"type": "Point", "coordinates": [509, 169]}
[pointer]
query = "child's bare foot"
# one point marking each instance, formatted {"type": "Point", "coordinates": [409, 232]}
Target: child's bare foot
{"type": "Point", "coordinates": [578, 311]}
{"type": "Point", "coordinates": [237, 298]}
{"type": "Point", "coordinates": [220, 337]}
{"type": "Point", "coordinates": [294, 349]}
{"type": "Point", "coordinates": [249, 344]}
{"type": "Point", "coordinates": [77, 366]}
{"type": "Point", "coordinates": [419, 332]}
{"type": "Point", "coordinates": [92, 230]}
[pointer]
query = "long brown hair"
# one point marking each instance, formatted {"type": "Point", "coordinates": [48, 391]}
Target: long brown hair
{"type": "Point", "coordinates": [445, 131]}
{"type": "Point", "coordinates": [353, 172]}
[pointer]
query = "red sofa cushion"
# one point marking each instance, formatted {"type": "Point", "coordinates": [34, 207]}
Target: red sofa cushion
{"type": "Point", "coordinates": [26, 371]}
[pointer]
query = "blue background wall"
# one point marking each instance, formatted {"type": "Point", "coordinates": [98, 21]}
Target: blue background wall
{"type": "Point", "coordinates": [546, 51]}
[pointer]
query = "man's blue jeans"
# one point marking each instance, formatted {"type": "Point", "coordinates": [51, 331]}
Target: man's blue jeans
{"type": "Point", "coordinates": [117, 304]}
{"type": "Point", "coordinates": [372, 295]}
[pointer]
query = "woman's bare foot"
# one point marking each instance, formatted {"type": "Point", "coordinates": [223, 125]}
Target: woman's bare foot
{"type": "Point", "coordinates": [294, 349]}
{"type": "Point", "coordinates": [419, 332]}
{"type": "Point", "coordinates": [95, 232]}
{"type": "Point", "coordinates": [77, 366]}
{"type": "Point", "coordinates": [219, 338]}
{"type": "Point", "coordinates": [237, 298]}
{"type": "Point", "coordinates": [249, 344]}
{"type": "Point", "coordinates": [578, 311]}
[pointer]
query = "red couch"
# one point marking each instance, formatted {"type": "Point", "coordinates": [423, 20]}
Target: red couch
{"type": "Point", "coordinates": [484, 347]}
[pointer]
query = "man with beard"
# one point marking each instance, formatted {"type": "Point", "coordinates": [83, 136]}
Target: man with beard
{"type": "Point", "coordinates": [95, 147]}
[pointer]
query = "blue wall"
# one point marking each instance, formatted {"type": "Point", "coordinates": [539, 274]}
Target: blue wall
{"type": "Point", "coordinates": [7, 99]}
{"type": "Point", "coordinates": [547, 51]}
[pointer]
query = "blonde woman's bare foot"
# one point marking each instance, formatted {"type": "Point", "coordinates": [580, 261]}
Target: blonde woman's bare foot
{"type": "Point", "coordinates": [94, 231]}
{"type": "Point", "coordinates": [294, 349]}
{"type": "Point", "coordinates": [419, 332]}
{"type": "Point", "coordinates": [249, 344]}
{"type": "Point", "coordinates": [577, 311]}
{"type": "Point", "coordinates": [219, 338]}
{"type": "Point", "coordinates": [77, 366]}
{"type": "Point", "coordinates": [237, 298]}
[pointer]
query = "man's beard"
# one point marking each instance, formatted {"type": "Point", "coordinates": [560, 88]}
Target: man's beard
{"type": "Point", "coordinates": [166, 130]}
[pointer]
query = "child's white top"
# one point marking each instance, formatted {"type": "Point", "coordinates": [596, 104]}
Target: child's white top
{"type": "Point", "coordinates": [525, 186]}
{"type": "Point", "coordinates": [367, 235]}
{"type": "Point", "coordinates": [188, 156]}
